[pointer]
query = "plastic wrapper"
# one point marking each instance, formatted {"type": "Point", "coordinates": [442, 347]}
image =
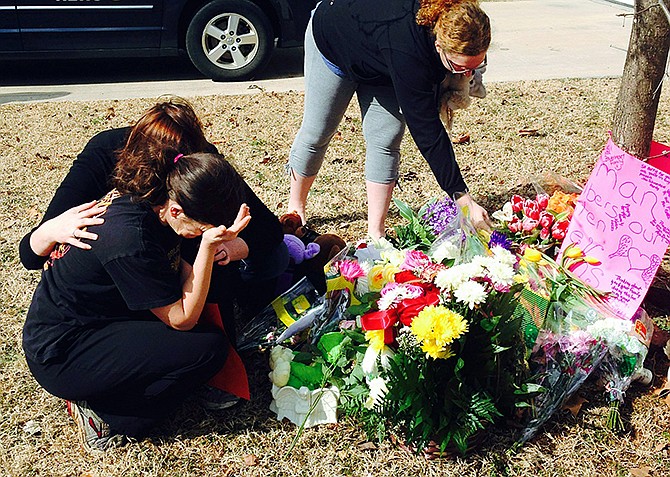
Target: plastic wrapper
{"type": "Point", "coordinates": [290, 307]}
{"type": "Point", "coordinates": [627, 345]}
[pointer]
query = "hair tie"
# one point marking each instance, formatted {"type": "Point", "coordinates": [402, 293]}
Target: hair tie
{"type": "Point", "coordinates": [177, 157]}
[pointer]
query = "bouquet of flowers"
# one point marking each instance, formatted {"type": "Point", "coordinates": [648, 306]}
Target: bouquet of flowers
{"type": "Point", "coordinates": [565, 352]}
{"type": "Point", "coordinates": [428, 346]}
{"type": "Point", "coordinates": [540, 222]}
{"type": "Point", "coordinates": [450, 341]}
{"type": "Point", "coordinates": [627, 343]}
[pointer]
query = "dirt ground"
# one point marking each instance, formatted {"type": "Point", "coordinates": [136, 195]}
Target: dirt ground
{"type": "Point", "coordinates": [571, 118]}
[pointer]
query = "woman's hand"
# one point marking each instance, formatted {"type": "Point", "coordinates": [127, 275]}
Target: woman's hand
{"type": "Point", "coordinates": [68, 227]}
{"type": "Point", "coordinates": [231, 251]}
{"type": "Point", "coordinates": [218, 235]}
{"type": "Point", "coordinates": [478, 215]}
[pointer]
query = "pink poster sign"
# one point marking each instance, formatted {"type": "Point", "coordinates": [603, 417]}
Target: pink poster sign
{"type": "Point", "coordinates": [623, 219]}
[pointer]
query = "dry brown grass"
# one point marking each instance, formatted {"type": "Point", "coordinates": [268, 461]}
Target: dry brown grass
{"type": "Point", "coordinates": [38, 143]}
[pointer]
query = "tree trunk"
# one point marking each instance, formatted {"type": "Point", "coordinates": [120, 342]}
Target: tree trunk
{"type": "Point", "coordinates": [637, 104]}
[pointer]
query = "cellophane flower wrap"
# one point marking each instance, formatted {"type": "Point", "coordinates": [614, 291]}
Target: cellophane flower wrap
{"type": "Point", "coordinates": [540, 221]}
{"type": "Point", "coordinates": [565, 351]}
{"type": "Point", "coordinates": [627, 345]}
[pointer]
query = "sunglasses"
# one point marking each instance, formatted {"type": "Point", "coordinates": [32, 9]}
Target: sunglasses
{"type": "Point", "coordinates": [459, 70]}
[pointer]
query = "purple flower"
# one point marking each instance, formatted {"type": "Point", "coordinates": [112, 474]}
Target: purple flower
{"type": "Point", "coordinates": [440, 214]}
{"type": "Point", "coordinates": [499, 239]}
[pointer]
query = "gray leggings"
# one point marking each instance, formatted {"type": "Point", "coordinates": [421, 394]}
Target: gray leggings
{"type": "Point", "coordinates": [327, 97]}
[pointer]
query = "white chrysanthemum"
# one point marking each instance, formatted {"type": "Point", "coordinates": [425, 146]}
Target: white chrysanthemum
{"type": "Point", "coordinates": [500, 273]}
{"type": "Point", "coordinates": [449, 279]}
{"type": "Point", "coordinates": [378, 391]}
{"type": "Point", "coordinates": [393, 296]}
{"type": "Point", "coordinates": [472, 293]}
{"type": "Point", "coordinates": [447, 250]}
{"type": "Point", "coordinates": [503, 255]}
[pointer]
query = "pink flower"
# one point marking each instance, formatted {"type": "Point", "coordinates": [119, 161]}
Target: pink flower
{"type": "Point", "coordinates": [559, 229]}
{"type": "Point", "coordinates": [350, 270]}
{"type": "Point", "coordinates": [531, 209]}
{"type": "Point", "coordinates": [542, 200]}
{"type": "Point", "coordinates": [545, 233]}
{"type": "Point", "coordinates": [528, 224]}
{"type": "Point", "coordinates": [546, 219]}
{"type": "Point", "coordinates": [514, 225]}
{"type": "Point", "coordinates": [415, 259]}
{"type": "Point", "coordinates": [517, 203]}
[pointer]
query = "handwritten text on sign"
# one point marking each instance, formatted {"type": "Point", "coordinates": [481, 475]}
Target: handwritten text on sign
{"type": "Point", "coordinates": [623, 219]}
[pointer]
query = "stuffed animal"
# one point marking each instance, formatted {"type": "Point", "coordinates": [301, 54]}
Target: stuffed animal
{"type": "Point", "coordinates": [455, 93]}
{"type": "Point", "coordinates": [298, 251]}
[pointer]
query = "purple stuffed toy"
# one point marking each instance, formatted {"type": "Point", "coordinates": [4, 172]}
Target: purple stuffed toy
{"type": "Point", "coordinates": [297, 249]}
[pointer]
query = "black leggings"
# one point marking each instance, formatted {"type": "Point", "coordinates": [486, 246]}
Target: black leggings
{"type": "Point", "coordinates": [134, 373]}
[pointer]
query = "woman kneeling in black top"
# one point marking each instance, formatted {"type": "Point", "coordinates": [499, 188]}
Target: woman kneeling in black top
{"type": "Point", "coordinates": [114, 329]}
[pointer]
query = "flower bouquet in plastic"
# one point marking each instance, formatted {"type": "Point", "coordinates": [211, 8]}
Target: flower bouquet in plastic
{"type": "Point", "coordinates": [542, 221]}
{"type": "Point", "coordinates": [565, 353]}
{"type": "Point", "coordinates": [627, 344]}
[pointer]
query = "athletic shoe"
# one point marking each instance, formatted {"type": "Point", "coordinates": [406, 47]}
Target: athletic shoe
{"type": "Point", "coordinates": [214, 399]}
{"type": "Point", "coordinates": [94, 433]}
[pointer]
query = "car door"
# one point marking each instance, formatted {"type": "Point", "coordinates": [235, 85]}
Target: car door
{"type": "Point", "coordinates": [10, 39]}
{"type": "Point", "coordinates": [69, 25]}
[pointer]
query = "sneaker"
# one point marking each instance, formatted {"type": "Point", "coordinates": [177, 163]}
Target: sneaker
{"type": "Point", "coordinates": [94, 433]}
{"type": "Point", "coordinates": [214, 399]}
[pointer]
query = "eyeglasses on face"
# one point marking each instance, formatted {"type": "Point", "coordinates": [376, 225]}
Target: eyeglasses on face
{"type": "Point", "coordinates": [458, 69]}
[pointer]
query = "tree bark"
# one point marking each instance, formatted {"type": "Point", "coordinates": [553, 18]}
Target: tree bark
{"type": "Point", "coordinates": [637, 103]}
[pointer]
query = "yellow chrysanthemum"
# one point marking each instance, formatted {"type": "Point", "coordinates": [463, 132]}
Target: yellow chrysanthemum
{"type": "Point", "coordinates": [435, 351]}
{"type": "Point", "coordinates": [436, 327]}
{"type": "Point", "coordinates": [376, 339]}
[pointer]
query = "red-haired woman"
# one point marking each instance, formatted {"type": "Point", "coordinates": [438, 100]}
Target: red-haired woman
{"type": "Point", "coordinates": [393, 55]}
{"type": "Point", "coordinates": [252, 262]}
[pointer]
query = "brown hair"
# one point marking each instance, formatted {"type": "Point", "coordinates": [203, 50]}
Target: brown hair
{"type": "Point", "coordinates": [165, 130]}
{"type": "Point", "coordinates": [207, 187]}
{"type": "Point", "coordinates": [461, 26]}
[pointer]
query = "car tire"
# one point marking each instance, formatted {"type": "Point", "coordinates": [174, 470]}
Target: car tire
{"type": "Point", "coordinates": [225, 54]}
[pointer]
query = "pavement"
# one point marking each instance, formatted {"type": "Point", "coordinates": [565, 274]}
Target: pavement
{"type": "Point", "coordinates": [532, 40]}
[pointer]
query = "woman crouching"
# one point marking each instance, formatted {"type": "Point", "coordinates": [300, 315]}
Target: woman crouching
{"type": "Point", "coordinates": [114, 329]}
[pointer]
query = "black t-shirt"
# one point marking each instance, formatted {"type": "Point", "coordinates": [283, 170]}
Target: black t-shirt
{"type": "Point", "coordinates": [133, 267]}
{"type": "Point", "coordinates": [380, 43]}
{"type": "Point", "coordinates": [89, 179]}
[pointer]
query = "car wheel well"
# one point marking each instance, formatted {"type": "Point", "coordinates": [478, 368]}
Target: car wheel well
{"type": "Point", "coordinates": [192, 7]}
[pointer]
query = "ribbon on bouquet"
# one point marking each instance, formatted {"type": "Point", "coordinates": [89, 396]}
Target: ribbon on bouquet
{"type": "Point", "coordinates": [404, 312]}
{"type": "Point", "coordinates": [341, 283]}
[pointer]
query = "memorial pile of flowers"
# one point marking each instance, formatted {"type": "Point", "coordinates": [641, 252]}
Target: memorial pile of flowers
{"type": "Point", "coordinates": [422, 336]}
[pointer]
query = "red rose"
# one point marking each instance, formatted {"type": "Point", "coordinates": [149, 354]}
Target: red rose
{"type": "Point", "coordinates": [406, 276]}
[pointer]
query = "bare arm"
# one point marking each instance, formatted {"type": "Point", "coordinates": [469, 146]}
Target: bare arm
{"type": "Point", "coordinates": [184, 313]}
{"type": "Point", "coordinates": [68, 227]}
